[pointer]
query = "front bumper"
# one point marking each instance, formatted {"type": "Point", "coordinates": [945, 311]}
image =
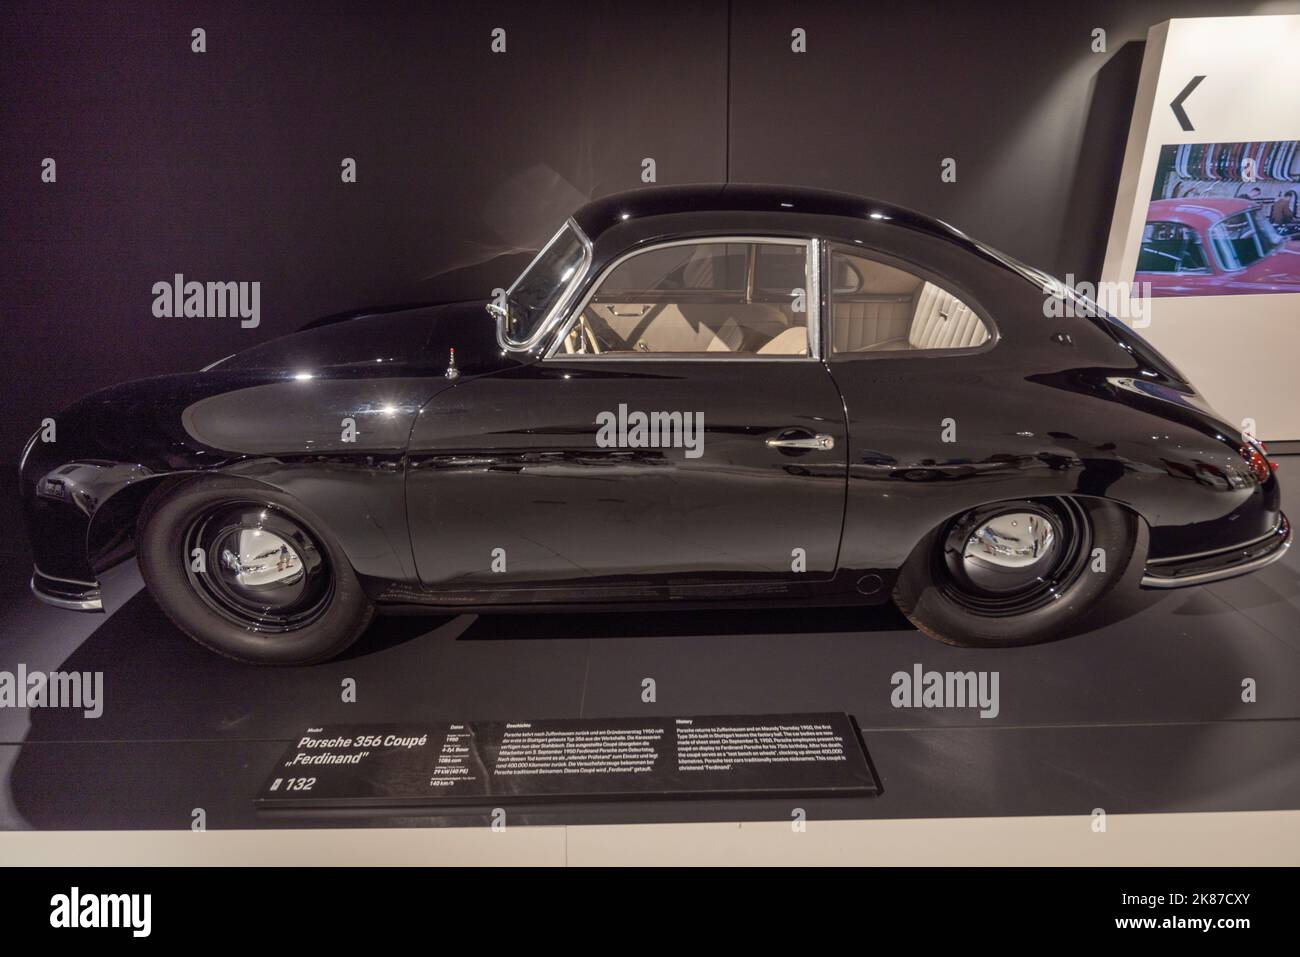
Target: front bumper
{"type": "Point", "coordinates": [66, 592]}
{"type": "Point", "coordinates": [1202, 567]}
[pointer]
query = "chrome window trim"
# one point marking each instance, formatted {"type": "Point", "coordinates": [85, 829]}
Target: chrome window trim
{"type": "Point", "coordinates": [812, 274]}
{"type": "Point", "coordinates": [547, 325]}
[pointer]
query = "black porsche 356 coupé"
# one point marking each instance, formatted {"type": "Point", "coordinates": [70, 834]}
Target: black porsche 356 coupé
{"type": "Point", "coordinates": [691, 397]}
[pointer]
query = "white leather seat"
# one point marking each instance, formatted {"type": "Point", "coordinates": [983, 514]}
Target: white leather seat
{"type": "Point", "coordinates": [877, 314]}
{"type": "Point", "coordinates": [693, 328]}
{"type": "Point", "coordinates": [870, 326]}
{"type": "Point", "coordinates": [883, 308]}
{"type": "Point", "coordinates": [660, 328]}
{"type": "Point", "coordinates": [942, 321]}
{"type": "Point", "coordinates": [792, 342]}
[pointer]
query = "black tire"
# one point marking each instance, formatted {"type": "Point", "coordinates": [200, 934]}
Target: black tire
{"type": "Point", "coordinates": [313, 606]}
{"type": "Point", "coordinates": [1065, 595]}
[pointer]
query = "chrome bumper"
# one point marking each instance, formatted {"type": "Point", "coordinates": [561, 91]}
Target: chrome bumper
{"type": "Point", "coordinates": [1203, 567]}
{"type": "Point", "coordinates": [66, 592]}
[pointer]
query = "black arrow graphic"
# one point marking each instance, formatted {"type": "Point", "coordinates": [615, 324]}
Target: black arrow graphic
{"type": "Point", "coordinates": [1177, 104]}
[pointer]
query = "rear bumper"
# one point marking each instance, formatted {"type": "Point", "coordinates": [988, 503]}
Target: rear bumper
{"type": "Point", "coordinates": [66, 592]}
{"type": "Point", "coordinates": [1202, 567]}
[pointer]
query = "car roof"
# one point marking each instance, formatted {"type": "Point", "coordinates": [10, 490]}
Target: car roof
{"type": "Point", "coordinates": [832, 214]}
{"type": "Point", "coordinates": [1195, 212]}
{"type": "Point", "coordinates": [602, 214]}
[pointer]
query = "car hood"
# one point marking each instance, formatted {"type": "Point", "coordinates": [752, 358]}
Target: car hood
{"type": "Point", "coordinates": [411, 341]}
{"type": "Point", "coordinates": [286, 396]}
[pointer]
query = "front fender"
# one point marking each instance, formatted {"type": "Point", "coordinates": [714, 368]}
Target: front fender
{"type": "Point", "coordinates": [335, 444]}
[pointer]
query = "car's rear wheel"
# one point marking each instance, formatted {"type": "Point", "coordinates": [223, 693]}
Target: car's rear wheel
{"type": "Point", "coordinates": [241, 570]}
{"type": "Point", "coordinates": [1017, 572]}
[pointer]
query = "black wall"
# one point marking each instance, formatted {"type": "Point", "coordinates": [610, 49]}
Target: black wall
{"type": "Point", "coordinates": [225, 165]}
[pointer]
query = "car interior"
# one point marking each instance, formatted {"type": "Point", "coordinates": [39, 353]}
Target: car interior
{"type": "Point", "coordinates": [878, 308]}
{"type": "Point", "coordinates": [1171, 247]}
{"type": "Point", "coordinates": [700, 298]}
{"type": "Point", "coordinates": [744, 299]}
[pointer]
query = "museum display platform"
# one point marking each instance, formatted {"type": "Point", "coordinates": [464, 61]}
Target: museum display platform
{"type": "Point", "coordinates": [1144, 714]}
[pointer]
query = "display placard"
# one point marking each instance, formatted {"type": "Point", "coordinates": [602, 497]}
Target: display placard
{"type": "Point", "coordinates": [577, 759]}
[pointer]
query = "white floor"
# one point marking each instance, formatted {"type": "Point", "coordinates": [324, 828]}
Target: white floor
{"type": "Point", "coordinates": [1241, 838]}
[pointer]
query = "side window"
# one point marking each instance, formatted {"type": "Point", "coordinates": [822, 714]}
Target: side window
{"type": "Point", "coordinates": [879, 308]}
{"type": "Point", "coordinates": [712, 299]}
{"type": "Point", "coordinates": [1171, 248]}
{"type": "Point", "coordinates": [1241, 240]}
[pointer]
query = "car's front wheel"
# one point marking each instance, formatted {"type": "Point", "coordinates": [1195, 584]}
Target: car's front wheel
{"type": "Point", "coordinates": [1017, 572]}
{"type": "Point", "coordinates": [237, 567]}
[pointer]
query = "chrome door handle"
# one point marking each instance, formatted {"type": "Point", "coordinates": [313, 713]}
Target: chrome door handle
{"type": "Point", "coordinates": [821, 442]}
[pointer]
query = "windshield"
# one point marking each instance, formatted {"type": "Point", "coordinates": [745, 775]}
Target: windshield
{"type": "Point", "coordinates": [541, 287]}
{"type": "Point", "coordinates": [1243, 239]}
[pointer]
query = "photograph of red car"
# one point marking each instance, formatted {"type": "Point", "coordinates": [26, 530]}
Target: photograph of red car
{"type": "Point", "coordinates": [1223, 220]}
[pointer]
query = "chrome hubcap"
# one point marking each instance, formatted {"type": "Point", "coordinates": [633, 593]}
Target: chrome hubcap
{"type": "Point", "coordinates": [1013, 557]}
{"type": "Point", "coordinates": [1010, 551]}
{"type": "Point", "coordinates": [261, 568]}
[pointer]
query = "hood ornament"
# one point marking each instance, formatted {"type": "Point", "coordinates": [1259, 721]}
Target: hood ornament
{"type": "Point", "coordinates": [452, 372]}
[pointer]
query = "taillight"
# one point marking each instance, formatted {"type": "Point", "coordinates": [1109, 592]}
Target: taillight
{"type": "Point", "coordinates": [1259, 465]}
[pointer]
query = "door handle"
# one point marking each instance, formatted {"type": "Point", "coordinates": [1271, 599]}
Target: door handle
{"type": "Point", "coordinates": [820, 442]}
